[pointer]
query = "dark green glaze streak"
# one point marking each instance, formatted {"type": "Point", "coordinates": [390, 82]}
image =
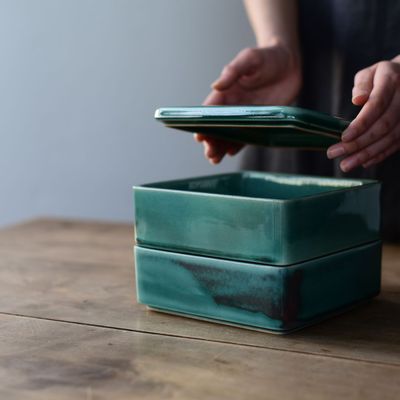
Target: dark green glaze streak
{"type": "Point", "coordinates": [279, 299]}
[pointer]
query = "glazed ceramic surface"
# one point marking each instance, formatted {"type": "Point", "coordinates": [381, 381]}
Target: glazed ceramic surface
{"type": "Point", "coordinates": [260, 217]}
{"type": "Point", "coordinates": [262, 125]}
{"type": "Point", "coordinates": [278, 299]}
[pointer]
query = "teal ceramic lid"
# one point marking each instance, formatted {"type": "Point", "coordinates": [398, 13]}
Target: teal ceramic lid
{"type": "Point", "coordinates": [274, 126]}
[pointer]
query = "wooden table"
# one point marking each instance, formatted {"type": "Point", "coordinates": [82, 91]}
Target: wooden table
{"type": "Point", "coordinates": [71, 329]}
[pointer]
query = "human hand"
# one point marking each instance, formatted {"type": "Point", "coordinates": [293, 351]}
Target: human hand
{"type": "Point", "coordinates": [268, 75]}
{"type": "Point", "coordinates": [374, 134]}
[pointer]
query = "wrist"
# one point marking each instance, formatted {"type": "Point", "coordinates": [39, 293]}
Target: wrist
{"type": "Point", "coordinates": [275, 40]}
{"type": "Point", "coordinates": [287, 50]}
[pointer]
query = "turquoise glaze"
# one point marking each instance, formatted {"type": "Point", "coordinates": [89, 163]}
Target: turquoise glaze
{"type": "Point", "coordinates": [275, 126]}
{"type": "Point", "coordinates": [278, 299]}
{"type": "Point", "coordinates": [259, 217]}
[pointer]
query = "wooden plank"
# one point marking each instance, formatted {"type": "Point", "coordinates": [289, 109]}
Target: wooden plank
{"type": "Point", "coordinates": [84, 272]}
{"type": "Point", "coordinates": [391, 268]}
{"type": "Point", "coordinates": [66, 240]}
{"type": "Point", "coordinates": [53, 360]}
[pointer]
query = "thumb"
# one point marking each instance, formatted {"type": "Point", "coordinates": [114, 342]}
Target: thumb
{"type": "Point", "coordinates": [245, 63]}
{"type": "Point", "coordinates": [363, 84]}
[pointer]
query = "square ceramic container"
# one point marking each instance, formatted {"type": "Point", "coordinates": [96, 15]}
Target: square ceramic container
{"type": "Point", "coordinates": [258, 217]}
{"type": "Point", "coordinates": [265, 297]}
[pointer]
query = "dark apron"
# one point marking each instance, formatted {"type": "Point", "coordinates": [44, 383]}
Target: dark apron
{"type": "Point", "coordinates": [338, 38]}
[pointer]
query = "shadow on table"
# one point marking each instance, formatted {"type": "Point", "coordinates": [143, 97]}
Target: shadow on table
{"type": "Point", "coordinates": [372, 329]}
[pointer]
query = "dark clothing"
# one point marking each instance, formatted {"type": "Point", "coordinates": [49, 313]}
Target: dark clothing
{"type": "Point", "coordinates": [339, 38]}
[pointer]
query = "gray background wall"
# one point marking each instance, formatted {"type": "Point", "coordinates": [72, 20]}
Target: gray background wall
{"type": "Point", "coordinates": [79, 83]}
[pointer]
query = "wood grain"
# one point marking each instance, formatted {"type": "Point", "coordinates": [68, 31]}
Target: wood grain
{"type": "Point", "coordinates": [54, 360]}
{"type": "Point", "coordinates": [83, 272]}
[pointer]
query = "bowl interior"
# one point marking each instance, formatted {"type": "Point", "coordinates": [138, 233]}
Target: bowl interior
{"type": "Point", "coordinates": [260, 185]}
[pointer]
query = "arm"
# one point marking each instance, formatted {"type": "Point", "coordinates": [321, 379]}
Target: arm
{"type": "Point", "coordinates": [273, 21]}
{"type": "Point", "coordinates": [267, 74]}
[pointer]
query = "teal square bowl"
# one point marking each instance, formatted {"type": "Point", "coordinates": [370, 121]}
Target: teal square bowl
{"type": "Point", "coordinates": [265, 297]}
{"type": "Point", "coordinates": [269, 218]}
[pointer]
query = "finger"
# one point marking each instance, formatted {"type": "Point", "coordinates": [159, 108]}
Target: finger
{"type": "Point", "coordinates": [252, 81]}
{"type": "Point", "coordinates": [370, 152]}
{"type": "Point", "coordinates": [216, 148]}
{"type": "Point", "coordinates": [208, 152]}
{"type": "Point", "coordinates": [382, 156]}
{"type": "Point", "coordinates": [378, 130]}
{"type": "Point", "coordinates": [234, 148]}
{"type": "Point", "coordinates": [363, 83]}
{"type": "Point", "coordinates": [199, 137]}
{"type": "Point", "coordinates": [212, 153]}
{"type": "Point", "coordinates": [245, 63]}
{"type": "Point", "coordinates": [216, 158]}
{"type": "Point", "coordinates": [215, 161]}
{"type": "Point", "coordinates": [212, 147]}
{"type": "Point", "coordinates": [381, 95]}
{"type": "Point", "coordinates": [214, 98]}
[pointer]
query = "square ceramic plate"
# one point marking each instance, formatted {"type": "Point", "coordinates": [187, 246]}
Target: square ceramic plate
{"type": "Point", "coordinates": [260, 217]}
{"type": "Point", "coordinates": [257, 296]}
{"type": "Point", "coordinates": [262, 125]}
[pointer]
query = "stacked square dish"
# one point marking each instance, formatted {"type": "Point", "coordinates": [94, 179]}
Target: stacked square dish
{"type": "Point", "coordinates": [265, 251]}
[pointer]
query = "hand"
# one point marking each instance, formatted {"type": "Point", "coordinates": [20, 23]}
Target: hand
{"type": "Point", "coordinates": [374, 134]}
{"type": "Point", "coordinates": [268, 75]}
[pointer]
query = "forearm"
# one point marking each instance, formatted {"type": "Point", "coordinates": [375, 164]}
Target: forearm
{"type": "Point", "coordinates": [274, 22]}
